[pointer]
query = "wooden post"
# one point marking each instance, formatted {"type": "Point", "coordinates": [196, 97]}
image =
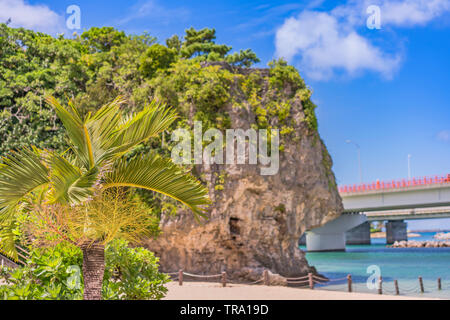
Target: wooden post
{"type": "Point", "coordinates": [224, 279]}
{"type": "Point", "coordinates": [439, 284]}
{"type": "Point", "coordinates": [397, 291]}
{"type": "Point", "coordinates": [349, 280]}
{"type": "Point", "coordinates": [266, 277]}
{"type": "Point", "coordinates": [380, 285]}
{"type": "Point", "coordinates": [180, 277]}
{"type": "Point", "coordinates": [311, 282]}
{"type": "Point", "coordinates": [421, 284]}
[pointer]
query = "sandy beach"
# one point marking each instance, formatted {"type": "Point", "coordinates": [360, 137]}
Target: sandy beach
{"type": "Point", "coordinates": [214, 291]}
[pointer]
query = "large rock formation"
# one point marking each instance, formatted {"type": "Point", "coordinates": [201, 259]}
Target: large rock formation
{"type": "Point", "coordinates": [255, 221]}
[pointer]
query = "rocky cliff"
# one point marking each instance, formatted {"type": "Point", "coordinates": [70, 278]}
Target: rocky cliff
{"type": "Point", "coordinates": [255, 221]}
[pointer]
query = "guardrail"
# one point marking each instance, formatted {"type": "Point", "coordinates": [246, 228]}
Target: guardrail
{"type": "Point", "coordinates": [394, 184]}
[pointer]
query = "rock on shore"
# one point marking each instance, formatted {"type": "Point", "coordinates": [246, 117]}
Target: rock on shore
{"type": "Point", "coordinates": [255, 221]}
{"type": "Point", "coordinates": [442, 236]}
{"type": "Point", "coordinates": [420, 244]}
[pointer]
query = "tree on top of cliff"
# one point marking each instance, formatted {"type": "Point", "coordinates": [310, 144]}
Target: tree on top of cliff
{"type": "Point", "coordinates": [201, 43]}
{"type": "Point", "coordinates": [174, 42]}
{"type": "Point", "coordinates": [157, 57]}
{"type": "Point", "coordinates": [103, 39]}
{"type": "Point", "coordinates": [245, 58]}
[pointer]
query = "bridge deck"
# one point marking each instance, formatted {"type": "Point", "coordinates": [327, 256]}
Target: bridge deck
{"type": "Point", "coordinates": [415, 193]}
{"type": "Point", "coordinates": [410, 214]}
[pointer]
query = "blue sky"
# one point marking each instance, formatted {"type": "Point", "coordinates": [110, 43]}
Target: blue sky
{"type": "Point", "coordinates": [387, 89]}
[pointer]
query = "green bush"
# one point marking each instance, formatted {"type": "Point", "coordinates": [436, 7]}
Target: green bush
{"type": "Point", "coordinates": [55, 274]}
{"type": "Point", "coordinates": [132, 274]}
{"type": "Point", "coordinates": [51, 274]}
{"type": "Point", "coordinates": [157, 57]}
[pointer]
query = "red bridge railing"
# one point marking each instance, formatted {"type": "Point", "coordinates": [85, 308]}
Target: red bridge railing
{"type": "Point", "coordinates": [394, 184]}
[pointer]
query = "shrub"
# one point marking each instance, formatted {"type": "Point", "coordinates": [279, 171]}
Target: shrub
{"type": "Point", "coordinates": [157, 57]}
{"type": "Point", "coordinates": [132, 273]}
{"type": "Point", "coordinates": [51, 274]}
{"type": "Point", "coordinates": [55, 274]}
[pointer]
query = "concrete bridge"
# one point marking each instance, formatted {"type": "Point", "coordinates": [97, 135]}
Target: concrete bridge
{"type": "Point", "coordinates": [392, 201]}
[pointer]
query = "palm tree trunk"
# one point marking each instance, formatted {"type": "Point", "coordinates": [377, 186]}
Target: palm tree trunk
{"type": "Point", "coordinates": [93, 270]}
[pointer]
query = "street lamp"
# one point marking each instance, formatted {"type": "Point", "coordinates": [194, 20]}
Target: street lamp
{"type": "Point", "coordinates": [359, 158]}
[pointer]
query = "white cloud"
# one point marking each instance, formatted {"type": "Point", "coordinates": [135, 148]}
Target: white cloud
{"type": "Point", "coordinates": [36, 17]}
{"type": "Point", "coordinates": [325, 46]}
{"type": "Point", "coordinates": [326, 43]}
{"type": "Point", "coordinates": [444, 135]}
{"type": "Point", "coordinates": [412, 12]}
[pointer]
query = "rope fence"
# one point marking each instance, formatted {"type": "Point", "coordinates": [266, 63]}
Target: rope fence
{"type": "Point", "coordinates": [202, 276]}
{"type": "Point", "coordinates": [222, 277]}
{"type": "Point", "coordinates": [311, 280]}
{"type": "Point", "coordinates": [248, 283]}
{"type": "Point", "coordinates": [392, 287]}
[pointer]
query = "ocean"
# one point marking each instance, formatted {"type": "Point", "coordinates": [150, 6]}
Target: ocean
{"type": "Point", "coordinates": [402, 264]}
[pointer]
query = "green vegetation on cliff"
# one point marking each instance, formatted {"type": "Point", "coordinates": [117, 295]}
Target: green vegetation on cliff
{"type": "Point", "coordinates": [96, 66]}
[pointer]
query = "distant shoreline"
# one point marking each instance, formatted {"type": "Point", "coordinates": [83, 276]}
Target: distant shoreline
{"type": "Point", "coordinates": [431, 230]}
{"type": "Point", "coordinates": [381, 234]}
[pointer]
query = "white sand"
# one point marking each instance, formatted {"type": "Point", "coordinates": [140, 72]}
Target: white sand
{"type": "Point", "coordinates": [215, 291]}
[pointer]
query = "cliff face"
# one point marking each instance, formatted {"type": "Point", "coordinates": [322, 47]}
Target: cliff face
{"type": "Point", "coordinates": [255, 221]}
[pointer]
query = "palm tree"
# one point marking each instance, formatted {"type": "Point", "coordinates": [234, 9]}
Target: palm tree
{"type": "Point", "coordinates": [94, 163]}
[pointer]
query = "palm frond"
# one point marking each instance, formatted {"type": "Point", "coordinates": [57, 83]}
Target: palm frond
{"type": "Point", "coordinates": [21, 173]}
{"type": "Point", "coordinates": [102, 128]}
{"type": "Point", "coordinates": [106, 134]}
{"type": "Point", "coordinates": [7, 239]}
{"type": "Point", "coordinates": [75, 129]}
{"type": "Point", "coordinates": [67, 182]}
{"type": "Point", "coordinates": [154, 119]}
{"type": "Point", "coordinates": [154, 173]}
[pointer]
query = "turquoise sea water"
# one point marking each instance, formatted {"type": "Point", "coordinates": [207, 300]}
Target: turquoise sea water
{"type": "Point", "coordinates": [403, 264]}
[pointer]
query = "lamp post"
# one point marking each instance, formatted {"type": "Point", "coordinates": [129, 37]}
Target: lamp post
{"type": "Point", "coordinates": [359, 158]}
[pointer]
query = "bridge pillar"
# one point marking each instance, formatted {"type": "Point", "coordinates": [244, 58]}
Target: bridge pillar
{"type": "Point", "coordinates": [325, 242]}
{"type": "Point", "coordinates": [359, 234]}
{"type": "Point", "coordinates": [396, 231]}
{"type": "Point", "coordinates": [331, 236]}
